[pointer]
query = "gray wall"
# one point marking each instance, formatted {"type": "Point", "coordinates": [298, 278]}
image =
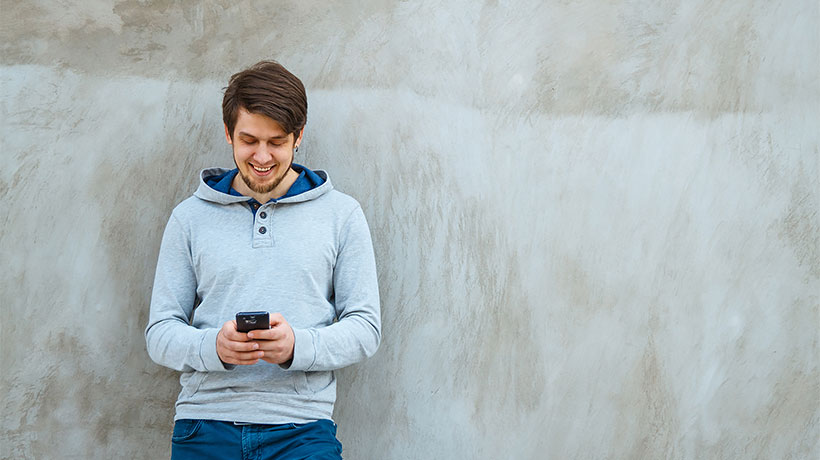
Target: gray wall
{"type": "Point", "coordinates": [596, 222]}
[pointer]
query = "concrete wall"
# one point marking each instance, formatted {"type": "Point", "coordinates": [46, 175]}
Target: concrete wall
{"type": "Point", "coordinates": [596, 222]}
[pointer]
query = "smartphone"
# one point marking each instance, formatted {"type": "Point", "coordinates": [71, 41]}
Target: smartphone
{"type": "Point", "coordinates": [250, 320]}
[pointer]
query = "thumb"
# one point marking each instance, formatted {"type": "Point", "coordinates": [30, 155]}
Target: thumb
{"type": "Point", "coordinates": [277, 319]}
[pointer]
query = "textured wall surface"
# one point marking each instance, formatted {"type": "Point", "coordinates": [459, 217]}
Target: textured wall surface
{"type": "Point", "coordinates": [596, 222]}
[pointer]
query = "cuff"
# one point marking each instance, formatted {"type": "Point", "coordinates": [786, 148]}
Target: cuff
{"type": "Point", "coordinates": [304, 351]}
{"type": "Point", "coordinates": [207, 352]}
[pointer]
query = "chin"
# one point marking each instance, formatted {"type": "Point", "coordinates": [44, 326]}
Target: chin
{"type": "Point", "coordinates": [259, 186]}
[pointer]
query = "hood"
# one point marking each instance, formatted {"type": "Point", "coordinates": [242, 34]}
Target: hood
{"type": "Point", "coordinates": [208, 193]}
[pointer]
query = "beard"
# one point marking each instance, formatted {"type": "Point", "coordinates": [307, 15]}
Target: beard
{"type": "Point", "coordinates": [263, 188]}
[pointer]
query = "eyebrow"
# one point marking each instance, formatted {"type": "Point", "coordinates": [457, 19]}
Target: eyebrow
{"type": "Point", "coordinates": [278, 138]}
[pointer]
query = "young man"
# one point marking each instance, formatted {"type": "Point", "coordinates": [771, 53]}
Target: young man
{"type": "Point", "coordinates": [275, 236]}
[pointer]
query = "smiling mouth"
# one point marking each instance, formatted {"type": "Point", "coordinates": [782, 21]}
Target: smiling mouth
{"type": "Point", "coordinates": [257, 168]}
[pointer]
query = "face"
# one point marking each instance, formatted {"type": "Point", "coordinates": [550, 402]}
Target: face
{"type": "Point", "coordinates": [262, 151]}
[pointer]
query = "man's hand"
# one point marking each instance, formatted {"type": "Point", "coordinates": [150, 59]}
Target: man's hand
{"type": "Point", "coordinates": [276, 342]}
{"type": "Point", "coordinates": [234, 347]}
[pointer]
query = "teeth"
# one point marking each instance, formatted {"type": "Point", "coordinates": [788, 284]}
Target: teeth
{"type": "Point", "coordinates": [262, 169]}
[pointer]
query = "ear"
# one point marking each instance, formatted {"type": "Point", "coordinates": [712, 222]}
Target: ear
{"type": "Point", "coordinates": [227, 134]}
{"type": "Point", "coordinates": [298, 140]}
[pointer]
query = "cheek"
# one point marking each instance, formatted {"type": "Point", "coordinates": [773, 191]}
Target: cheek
{"type": "Point", "coordinates": [283, 155]}
{"type": "Point", "coordinates": [242, 154]}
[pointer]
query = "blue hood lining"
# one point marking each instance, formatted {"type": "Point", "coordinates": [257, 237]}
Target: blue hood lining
{"type": "Point", "coordinates": [307, 180]}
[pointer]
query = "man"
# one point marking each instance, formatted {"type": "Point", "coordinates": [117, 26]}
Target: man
{"type": "Point", "coordinates": [269, 235]}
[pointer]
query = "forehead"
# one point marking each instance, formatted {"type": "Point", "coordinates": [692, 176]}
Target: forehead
{"type": "Point", "coordinates": [257, 125]}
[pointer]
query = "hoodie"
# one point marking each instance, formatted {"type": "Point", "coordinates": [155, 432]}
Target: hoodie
{"type": "Point", "coordinates": [306, 255]}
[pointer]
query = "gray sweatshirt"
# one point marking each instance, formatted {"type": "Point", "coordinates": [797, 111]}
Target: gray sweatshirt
{"type": "Point", "coordinates": [308, 257]}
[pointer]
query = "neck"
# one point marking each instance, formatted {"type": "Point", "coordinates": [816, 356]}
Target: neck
{"type": "Point", "coordinates": [284, 185]}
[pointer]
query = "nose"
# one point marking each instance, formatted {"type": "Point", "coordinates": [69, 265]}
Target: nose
{"type": "Point", "coordinates": [262, 155]}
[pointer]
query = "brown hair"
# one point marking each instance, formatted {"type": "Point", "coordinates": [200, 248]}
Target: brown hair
{"type": "Point", "coordinates": [269, 89]}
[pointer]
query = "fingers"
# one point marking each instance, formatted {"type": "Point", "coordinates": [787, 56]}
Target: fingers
{"type": "Point", "coordinates": [244, 362]}
{"type": "Point", "coordinates": [233, 347]}
{"type": "Point", "coordinates": [239, 357]}
{"type": "Point", "coordinates": [276, 342]}
{"type": "Point", "coordinates": [274, 345]}
{"type": "Point", "coordinates": [277, 332]}
{"type": "Point", "coordinates": [278, 329]}
{"type": "Point", "coordinates": [277, 357]}
{"type": "Point", "coordinates": [240, 347]}
{"type": "Point", "coordinates": [229, 332]}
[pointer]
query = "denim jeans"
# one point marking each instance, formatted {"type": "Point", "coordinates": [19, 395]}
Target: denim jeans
{"type": "Point", "coordinates": [212, 439]}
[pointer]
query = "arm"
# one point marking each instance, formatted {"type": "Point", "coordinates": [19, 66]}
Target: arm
{"type": "Point", "coordinates": [357, 333]}
{"type": "Point", "coordinates": [169, 336]}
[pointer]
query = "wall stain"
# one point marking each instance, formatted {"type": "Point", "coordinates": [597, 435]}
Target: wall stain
{"type": "Point", "coordinates": [800, 227]}
{"type": "Point", "coordinates": [461, 281]}
{"type": "Point", "coordinates": [68, 399]}
{"type": "Point", "coordinates": [612, 69]}
{"type": "Point", "coordinates": [649, 404]}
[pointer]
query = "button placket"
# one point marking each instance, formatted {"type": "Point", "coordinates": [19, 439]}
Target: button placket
{"type": "Point", "coordinates": [263, 236]}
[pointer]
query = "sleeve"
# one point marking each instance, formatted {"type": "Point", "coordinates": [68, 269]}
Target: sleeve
{"type": "Point", "coordinates": [169, 336]}
{"type": "Point", "coordinates": [357, 333]}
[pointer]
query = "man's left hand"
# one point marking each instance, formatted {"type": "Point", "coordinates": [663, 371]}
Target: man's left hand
{"type": "Point", "coordinates": [277, 342]}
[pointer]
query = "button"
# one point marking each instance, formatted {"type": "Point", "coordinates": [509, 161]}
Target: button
{"type": "Point", "coordinates": [256, 206]}
{"type": "Point", "coordinates": [262, 230]}
{"type": "Point", "coordinates": [263, 214]}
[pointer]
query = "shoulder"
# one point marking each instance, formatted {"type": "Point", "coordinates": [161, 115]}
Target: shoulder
{"type": "Point", "coordinates": [190, 209]}
{"type": "Point", "coordinates": [337, 204]}
{"type": "Point", "coordinates": [332, 195]}
{"type": "Point", "coordinates": [342, 199]}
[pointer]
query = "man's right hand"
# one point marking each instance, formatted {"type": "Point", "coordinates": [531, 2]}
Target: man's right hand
{"type": "Point", "coordinates": [234, 347]}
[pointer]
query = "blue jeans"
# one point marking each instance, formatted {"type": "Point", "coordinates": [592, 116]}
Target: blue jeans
{"type": "Point", "coordinates": [206, 439]}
